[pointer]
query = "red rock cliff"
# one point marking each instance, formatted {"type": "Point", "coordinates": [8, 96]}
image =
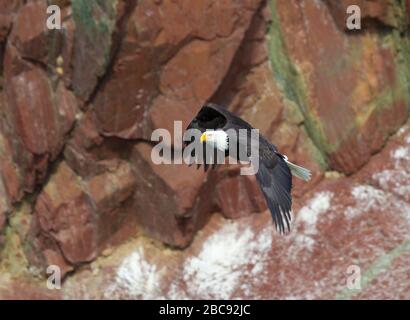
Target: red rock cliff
{"type": "Point", "coordinates": [78, 105]}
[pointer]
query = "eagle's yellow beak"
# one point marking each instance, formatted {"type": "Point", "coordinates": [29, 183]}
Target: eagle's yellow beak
{"type": "Point", "coordinates": [203, 137]}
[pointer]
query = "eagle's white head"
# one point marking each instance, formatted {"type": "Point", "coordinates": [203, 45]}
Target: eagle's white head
{"type": "Point", "coordinates": [217, 138]}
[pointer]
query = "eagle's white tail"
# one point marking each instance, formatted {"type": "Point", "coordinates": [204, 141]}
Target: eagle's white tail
{"type": "Point", "coordinates": [297, 171]}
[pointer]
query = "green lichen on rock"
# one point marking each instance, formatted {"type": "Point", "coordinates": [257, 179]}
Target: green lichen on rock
{"type": "Point", "coordinates": [12, 257]}
{"type": "Point", "coordinates": [95, 22]}
{"type": "Point", "coordinates": [95, 16]}
{"type": "Point", "coordinates": [293, 80]}
{"type": "Point", "coordinates": [293, 86]}
{"type": "Point", "coordinates": [401, 39]}
{"type": "Point", "coordinates": [397, 40]}
{"type": "Point", "coordinates": [284, 71]}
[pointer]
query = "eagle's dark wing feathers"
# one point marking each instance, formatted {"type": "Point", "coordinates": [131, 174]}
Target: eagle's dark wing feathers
{"type": "Point", "coordinates": [275, 181]}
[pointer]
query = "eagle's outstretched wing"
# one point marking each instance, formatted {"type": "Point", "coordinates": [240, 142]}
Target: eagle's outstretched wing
{"type": "Point", "coordinates": [275, 181]}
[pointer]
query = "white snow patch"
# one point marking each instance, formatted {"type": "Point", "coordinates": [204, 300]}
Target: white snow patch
{"type": "Point", "coordinates": [399, 180]}
{"type": "Point", "coordinates": [398, 177]}
{"type": "Point", "coordinates": [305, 241]}
{"type": "Point", "coordinates": [368, 198]}
{"type": "Point", "coordinates": [175, 293]}
{"type": "Point", "coordinates": [307, 218]}
{"type": "Point", "coordinates": [401, 153]}
{"type": "Point", "coordinates": [137, 278]}
{"type": "Point", "coordinates": [227, 259]}
{"type": "Point", "coordinates": [309, 214]}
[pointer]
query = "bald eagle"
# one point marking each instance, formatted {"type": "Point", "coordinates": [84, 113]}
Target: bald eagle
{"type": "Point", "coordinates": [275, 171]}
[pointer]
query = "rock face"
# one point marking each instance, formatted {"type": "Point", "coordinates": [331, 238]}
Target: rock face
{"type": "Point", "coordinates": [78, 106]}
{"type": "Point", "coordinates": [73, 218]}
{"type": "Point", "coordinates": [37, 110]}
{"type": "Point", "coordinates": [169, 68]}
{"type": "Point", "coordinates": [357, 84]}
